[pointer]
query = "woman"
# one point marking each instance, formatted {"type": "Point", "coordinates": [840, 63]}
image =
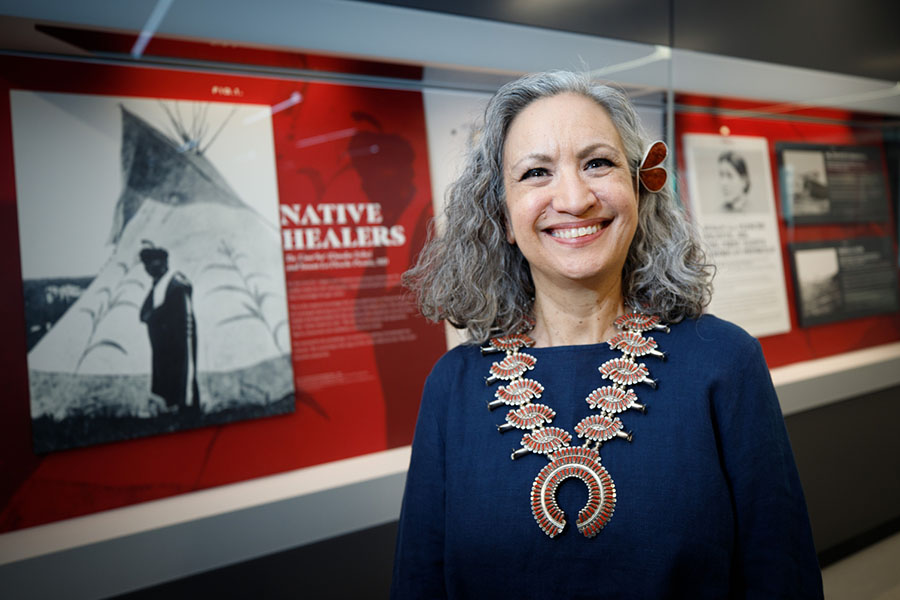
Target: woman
{"type": "Point", "coordinates": [553, 235]}
{"type": "Point", "coordinates": [734, 181]}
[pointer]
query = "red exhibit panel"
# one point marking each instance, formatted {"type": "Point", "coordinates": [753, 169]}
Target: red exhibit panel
{"type": "Point", "coordinates": [349, 173]}
{"type": "Point", "coordinates": [816, 127]}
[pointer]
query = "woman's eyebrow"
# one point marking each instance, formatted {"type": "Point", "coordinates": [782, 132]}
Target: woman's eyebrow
{"type": "Point", "coordinates": [535, 156]}
{"type": "Point", "coordinates": [588, 150]}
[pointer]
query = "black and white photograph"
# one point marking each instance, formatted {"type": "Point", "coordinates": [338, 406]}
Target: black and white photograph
{"type": "Point", "coordinates": [731, 197]}
{"type": "Point", "coordinates": [152, 266]}
{"type": "Point", "coordinates": [732, 175]}
{"type": "Point", "coordinates": [844, 279]}
{"type": "Point", "coordinates": [818, 283]}
{"type": "Point", "coordinates": [804, 183]}
{"type": "Point", "coordinates": [832, 184]}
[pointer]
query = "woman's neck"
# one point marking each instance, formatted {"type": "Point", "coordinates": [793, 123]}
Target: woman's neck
{"type": "Point", "coordinates": [576, 316]}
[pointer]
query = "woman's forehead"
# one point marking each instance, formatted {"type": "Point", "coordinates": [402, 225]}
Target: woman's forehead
{"type": "Point", "coordinates": [568, 119]}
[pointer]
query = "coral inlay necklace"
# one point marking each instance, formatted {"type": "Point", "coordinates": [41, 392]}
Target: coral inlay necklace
{"type": "Point", "coordinates": [581, 462]}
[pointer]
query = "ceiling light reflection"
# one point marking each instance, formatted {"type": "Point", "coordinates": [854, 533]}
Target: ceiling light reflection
{"type": "Point", "coordinates": [150, 27]}
{"type": "Point", "coordinates": [294, 98]}
{"type": "Point", "coordinates": [659, 53]}
{"type": "Point", "coordinates": [326, 137]}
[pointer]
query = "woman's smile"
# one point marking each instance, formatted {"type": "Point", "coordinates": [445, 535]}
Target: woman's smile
{"type": "Point", "coordinates": [576, 232]}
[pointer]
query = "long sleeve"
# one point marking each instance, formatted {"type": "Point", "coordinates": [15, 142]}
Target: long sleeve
{"type": "Point", "coordinates": [419, 558]}
{"type": "Point", "coordinates": [775, 556]}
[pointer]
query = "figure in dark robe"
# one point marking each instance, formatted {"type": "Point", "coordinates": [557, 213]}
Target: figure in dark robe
{"type": "Point", "coordinates": [169, 314]}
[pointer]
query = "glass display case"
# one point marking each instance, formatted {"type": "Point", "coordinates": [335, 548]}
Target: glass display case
{"type": "Point", "coordinates": [287, 161]}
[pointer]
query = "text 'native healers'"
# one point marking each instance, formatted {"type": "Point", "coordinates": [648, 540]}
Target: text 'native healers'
{"type": "Point", "coordinates": [323, 226]}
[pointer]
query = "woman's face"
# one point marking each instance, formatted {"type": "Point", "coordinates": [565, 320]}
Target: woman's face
{"type": "Point", "coordinates": [731, 182]}
{"type": "Point", "coordinates": [569, 192]}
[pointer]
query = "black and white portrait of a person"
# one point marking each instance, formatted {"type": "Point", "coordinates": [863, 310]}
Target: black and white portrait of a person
{"type": "Point", "coordinates": [734, 181]}
{"type": "Point", "coordinates": [169, 315]}
{"type": "Point", "coordinates": [729, 176]}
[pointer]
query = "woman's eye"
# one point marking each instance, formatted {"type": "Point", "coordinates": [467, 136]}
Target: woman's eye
{"type": "Point", "coordinates": [597, 163]}
{"type": "Point", "coordinates": [537, 172]}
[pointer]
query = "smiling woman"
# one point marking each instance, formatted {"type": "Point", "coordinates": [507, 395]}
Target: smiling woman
{"type": "Point", "coordinates": [474, 278]}
{"type": "Point", "coordinates": [563, 248]}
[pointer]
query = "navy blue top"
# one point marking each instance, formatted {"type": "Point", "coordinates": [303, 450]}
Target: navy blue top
{"type": "Point", "coordinates": [709, 503]}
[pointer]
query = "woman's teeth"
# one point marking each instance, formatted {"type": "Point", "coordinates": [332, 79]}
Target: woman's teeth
{"type": "Point", "coordinates": [575, 232]}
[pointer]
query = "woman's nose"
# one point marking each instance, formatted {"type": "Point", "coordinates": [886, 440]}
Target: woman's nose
{"type": "Point", "coordinates": [572, 194]}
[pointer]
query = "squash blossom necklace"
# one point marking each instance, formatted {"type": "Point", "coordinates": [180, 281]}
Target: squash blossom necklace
{"type": "Point", "coordinates": [581, 462]}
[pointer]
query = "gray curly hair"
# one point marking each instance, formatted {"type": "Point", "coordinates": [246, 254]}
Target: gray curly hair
{"type": "Point", "coordinates": [475, 279]}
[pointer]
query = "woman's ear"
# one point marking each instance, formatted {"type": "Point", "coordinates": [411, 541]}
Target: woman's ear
{"type": "Point", "coordinates": [510, 236]}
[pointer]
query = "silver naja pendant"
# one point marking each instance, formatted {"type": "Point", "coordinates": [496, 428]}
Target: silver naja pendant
{"type": "Point", "coordinates": [584, 464]}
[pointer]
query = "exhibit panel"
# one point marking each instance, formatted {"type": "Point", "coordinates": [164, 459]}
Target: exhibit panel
{"type": "Point", "coordinates": [798, 206]}
{"type": "Point", "coordinates": [318, 170]}
{"type": "Point", "coordinates": [283, 217]}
